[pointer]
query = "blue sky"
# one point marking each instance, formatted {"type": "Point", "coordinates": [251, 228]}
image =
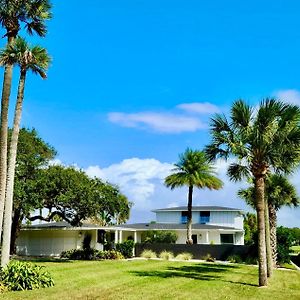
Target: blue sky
{"type": "Point", "coordinates": [117, 101]}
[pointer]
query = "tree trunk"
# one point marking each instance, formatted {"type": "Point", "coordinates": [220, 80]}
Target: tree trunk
{"type": "Point", "coordinates": [15, 229]}
{"type": "Point", "coordinates": [273, 234]}
{"type": "Point", "coordinates": [7, 220]}
{"type": "Point", "coordinates": [7, 79]}
{"type": "Point", "coordinates": [262, 262]}
{"type": "Point", "coordinates": [268, 244]}
{"type": "Point", "coordinates": [189, 239]}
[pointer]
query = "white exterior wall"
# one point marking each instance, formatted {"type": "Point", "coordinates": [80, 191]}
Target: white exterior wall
{"type": "Point", "coordinates": [220, 218]}
{"type": "Point", "coordinates": [173, 217]}
{"type": "Point", "coordinates": [226, 218]}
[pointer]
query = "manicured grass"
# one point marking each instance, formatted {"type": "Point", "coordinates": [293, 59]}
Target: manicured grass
{"type": "Point", "coordinates": [154, 279]}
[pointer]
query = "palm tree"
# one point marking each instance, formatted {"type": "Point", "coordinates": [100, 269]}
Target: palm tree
{"type": "Point", "coordinates": [260, 140]}
{"type": "Point", "coordinates": [32, 13]}
{"type": "Point", "coordinates": [36, 60]}
{"type": "Point", "coordinates": [193, 169]}
{"type": "Point", "coordinates": [279, 192]}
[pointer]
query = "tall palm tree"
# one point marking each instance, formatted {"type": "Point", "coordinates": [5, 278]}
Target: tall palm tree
{"type": "Point", "coordinates": [260, 140]}
{"type": "Point", "coordinates": [279, 192]}
{"type": "Point", "coordinates": [193, 170]}
{"type": "Point", "coordinates": [36, 60]}
{"type": "Point", "coordinates": [13, 13]}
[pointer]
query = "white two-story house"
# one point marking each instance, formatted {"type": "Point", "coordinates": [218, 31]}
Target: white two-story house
{"type": "Point", "coordinates": [211, 225]}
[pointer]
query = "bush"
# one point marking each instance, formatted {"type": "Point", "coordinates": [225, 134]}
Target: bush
{"type": "Point", "coordinates": [148, 254]}
{"type": "Point", "coordinates": [18, 276]}
{"type": "Point", "coordinates": [208, 257]}
{"type": "Point", "coordinates": [159, 236]}
{"type": "Point", "coordinates": [167, 255]}
{"type": "Point", "coordinates": [284, 242]}
{"type": "Point", "coordinates": [235, 259]}
{"type": "Point", "coordinates": [184, 256]}
{"type": "Point", "coordinates": [91, 254]}
{"type": "Point", "coordinates": [126, 248]}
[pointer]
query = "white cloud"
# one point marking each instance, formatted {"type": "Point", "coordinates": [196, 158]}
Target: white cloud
{"type": "Point", "coordinates": [200, 108]}
{"type": "Point", "coordinates": [159, 122]}
{"type": "Point", "coordinates": [137, 178]}
{"type": "Point", "coordinates": [141, 180]}
{"type": "Point", "coordinates": [291, 96]}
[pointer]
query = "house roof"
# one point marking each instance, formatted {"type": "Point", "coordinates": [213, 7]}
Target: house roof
{"type": "Point", "coordinates": [198, 208]}
{"type": "Point", "coordinates": [62, 225]}
{"type": "Point", "coordinates": [130, 227]}
{"type": "Point", "coordinates": [171, 226]}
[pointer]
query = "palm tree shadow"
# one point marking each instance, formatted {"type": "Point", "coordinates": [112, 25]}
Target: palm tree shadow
{"type": "Point", "coordinates": [204, 272]}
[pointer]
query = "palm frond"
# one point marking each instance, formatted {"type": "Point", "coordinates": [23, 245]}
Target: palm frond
{"type": "Point", "coordinates": [236, 172]}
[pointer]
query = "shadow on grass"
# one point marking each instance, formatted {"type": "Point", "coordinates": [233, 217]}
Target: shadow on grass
{"type": "Point", "coordinates": [205, 272]}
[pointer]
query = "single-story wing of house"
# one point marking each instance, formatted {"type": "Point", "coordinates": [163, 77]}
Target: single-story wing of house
{"type": "Point", "coordinates": [211, 225]}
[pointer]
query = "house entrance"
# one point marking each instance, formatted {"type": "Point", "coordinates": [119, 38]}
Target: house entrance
{"type": "Point", "coordinates": [194, 238]}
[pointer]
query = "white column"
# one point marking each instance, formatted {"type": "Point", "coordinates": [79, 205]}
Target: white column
{"type": "Point", "coordinates": [135, 237]}
{"type": "Point", "coordinates": [121, 236]}
{"type": "Point", "coordinates": [135, 241]}
{"type": "Point", "coordinates": [207, 237]}
{"type": "Point", "coordinates": [116, 236]}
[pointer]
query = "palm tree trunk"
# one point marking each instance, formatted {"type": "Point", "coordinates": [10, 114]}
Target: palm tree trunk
{"type": "Point", "coordinates": [3, 133]}
{"type": "Point", "coordinates": [262, 262]}
{"type": "Point", "coordinates": [268, 244]}
{"type": "Point", "coordinates": [189, 216]}
{"type": "Point", "coordinates": [15, 229]}
{"type": "Point", "coordinates": [273, 234]}
{"type": "Point", "coordinates": [7, 220]}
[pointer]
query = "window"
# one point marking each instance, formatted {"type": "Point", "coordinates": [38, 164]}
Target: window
{"type": "Point", "coordinates": [204, 217]}
{"type": "Point", "coordinates": [100, 236]}
{"type": "Point", "coordinates": [184, 215]}
{"type": "Point", "coordinates": [226, 238]}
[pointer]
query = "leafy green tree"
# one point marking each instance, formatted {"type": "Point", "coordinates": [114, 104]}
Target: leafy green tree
{"type": "Point", "coordinates": [193, 170]}
{"type": "Point", "coordinates": [36, 60]}
{"type": "Point", "coordinates": [260, 140]}
{"type": "Point", "coordinates": [159, 236]}
{"type": "Point", "coordinates": [33, 154]}
{"type": "Point", "coordinates": [279, 192]}
{"type": "Point", "coordinates": [250, 228]}
{"type": "Point", "coordinates": [13, 13]}
{"type": "Point", "coordinates": [73, 196]}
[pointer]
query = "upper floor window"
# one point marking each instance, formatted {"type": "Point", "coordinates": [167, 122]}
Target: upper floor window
{"type": "Point", "coordinates": [184, 215]}
{"type": "Point", "coordinates": [204, 217]}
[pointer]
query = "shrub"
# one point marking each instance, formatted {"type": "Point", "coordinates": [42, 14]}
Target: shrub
{"type": "Point", "coordinates": [148, 254]}
{"type": "Point", "coordinates": [126, 248]}
{"type": "Point", "coordinates": [235, 259]}
{"type": "Point", "coordinates": [167, 255]}
{"type": "Point", "coordinates": [251, 260]}
{"type": "Point", "coordinates": [18, 276]}
{"type": "Point", "coordinates": [91, 254]}
{"type": "Point", "coordinates": [284, 242]}
{"type": "Point", "coordinates": [208, 257]}
{"type": "Point", "coordinates": [184, 256]}
{"type": "Point", "coordinates": [159, 236]}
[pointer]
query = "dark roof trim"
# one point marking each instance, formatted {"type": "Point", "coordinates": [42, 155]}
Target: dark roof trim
{"type": "Point", "coordinates": [199, 208]}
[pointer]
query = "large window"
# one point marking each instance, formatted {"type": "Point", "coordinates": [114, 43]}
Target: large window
{"type": "Point", "coordinates": [226, 238]}
{"type": "Point", "coordinates": [204, 217]}
{"type": "Point", "coordinates": [184, 215]}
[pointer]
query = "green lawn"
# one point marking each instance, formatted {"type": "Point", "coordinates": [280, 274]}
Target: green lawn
{"type": "Point", "coordinates": [295, 249]}
{"type": "Point", "coordinates": [141, 279]}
